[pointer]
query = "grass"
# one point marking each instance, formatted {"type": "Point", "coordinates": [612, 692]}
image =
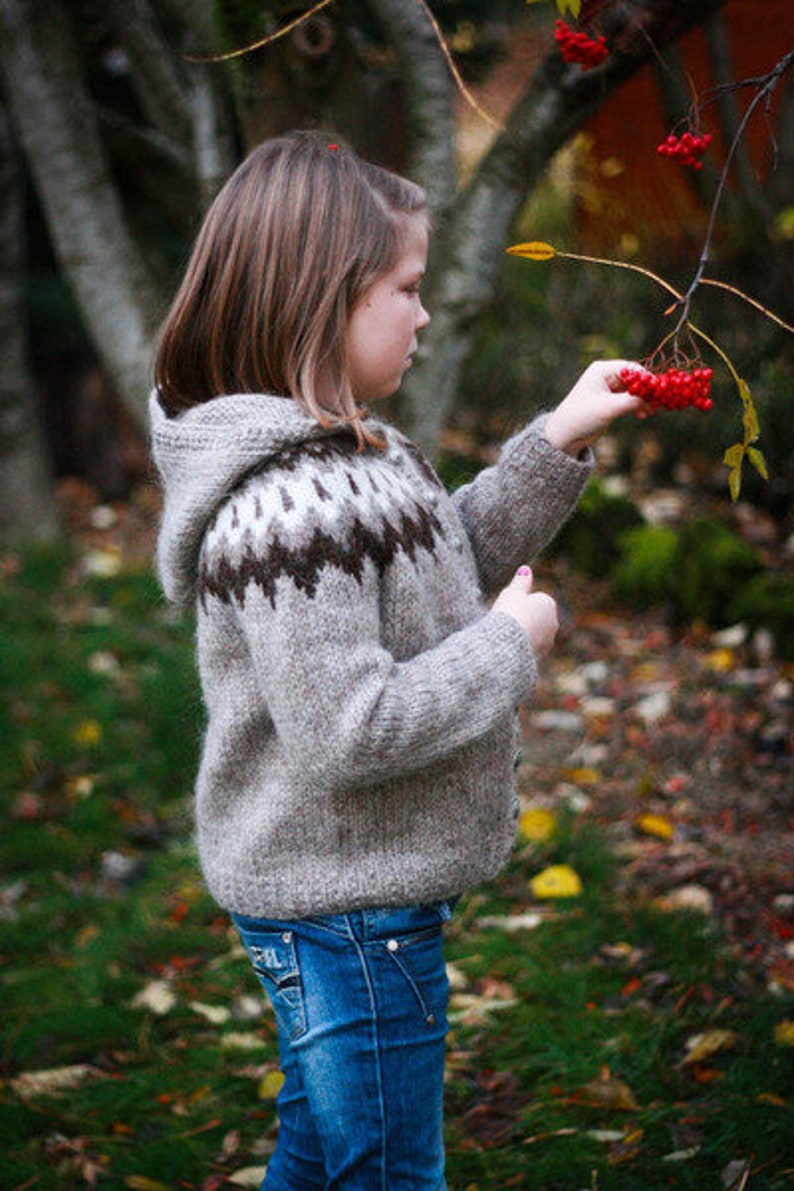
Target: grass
{"type": "Point", "coordinates": [567, 1048]}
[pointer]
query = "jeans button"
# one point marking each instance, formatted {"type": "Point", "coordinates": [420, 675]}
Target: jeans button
{"type": "Point", "coordinates": [287, 936]}
{"type": "Point", "coordinates": [393, 945]}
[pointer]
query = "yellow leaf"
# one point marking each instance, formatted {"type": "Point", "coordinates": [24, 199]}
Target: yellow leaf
{"type": "Point", "coordinates": [735, 483]}
{"type": "Point", "coordinates": [270, 1085]}
{"type": "Point", "coordinates": [537, 825]}
{"type": "Point", "coordinates": [656, 825]}
{"type": "Point", "coordinates": [139, 1182]}
{"type": "Point", "coordinates": [582, 775]}
{"type": "Point", "coordinates": [784, 1033]}
{"type": "Point", "coordinates": [752, 427]}
{"type": "Point", "coordinates": [771, 1098]}
{"type": "Point", "coordinates": [721, 660]}
{"type": "Point", "coordinates": [88, 733]}
{"type": "Point", "coordinates": [758, 461]}
{"type": "Point", "coordinates": [533, 250]}
{"type": "Point", "coordinates": [703, 1046]}
{"type": "Point", "coordinates": [734, 455]}
{"type": "Point", "coordinates": [558, 880]}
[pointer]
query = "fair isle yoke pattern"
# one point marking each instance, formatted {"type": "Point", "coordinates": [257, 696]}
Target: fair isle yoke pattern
{"type": "Point", "coordinates": [319, 505]}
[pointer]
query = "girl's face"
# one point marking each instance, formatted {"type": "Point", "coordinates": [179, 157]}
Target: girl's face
{"type": "Point", "coordinates": [381, 335]}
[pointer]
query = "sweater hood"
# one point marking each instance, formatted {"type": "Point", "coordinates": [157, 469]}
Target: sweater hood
{"type": "Point", "coordinates": [201, 455]}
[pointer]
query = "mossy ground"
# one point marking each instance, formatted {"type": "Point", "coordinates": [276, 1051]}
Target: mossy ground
{"type": "Point", "coordinates": [568, 1043]}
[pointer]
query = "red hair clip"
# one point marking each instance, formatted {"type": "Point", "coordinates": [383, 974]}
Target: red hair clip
{"type": "Point", "coordinates": [333, 148]}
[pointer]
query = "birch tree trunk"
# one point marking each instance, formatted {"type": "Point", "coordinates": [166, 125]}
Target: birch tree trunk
{"type": "Point", "coordinates": [56, 124]}
{"type": "Point", "coordinates": [27, 508]}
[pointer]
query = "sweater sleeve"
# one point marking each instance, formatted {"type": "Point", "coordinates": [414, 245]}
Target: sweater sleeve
{"type": "Point", "coordinates": [512, 510]}
{"type": "Point", "coordinates": [347, 714]}
{"type": "Point", "coordinates": [367, 639]}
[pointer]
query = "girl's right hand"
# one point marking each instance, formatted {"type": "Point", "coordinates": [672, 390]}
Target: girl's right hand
{"type": "Point", "coordinates": [534, 611]}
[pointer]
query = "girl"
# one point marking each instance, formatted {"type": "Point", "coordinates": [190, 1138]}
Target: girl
{"type": "Point", "coordinates": [357, 767]}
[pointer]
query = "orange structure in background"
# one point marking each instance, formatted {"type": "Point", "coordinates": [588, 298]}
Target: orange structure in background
{"type": "Point", "coordinates": [628, 196]}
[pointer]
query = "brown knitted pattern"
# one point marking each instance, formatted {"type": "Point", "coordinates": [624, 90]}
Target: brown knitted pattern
{"type": "Point", "coordinates": [319, 505]}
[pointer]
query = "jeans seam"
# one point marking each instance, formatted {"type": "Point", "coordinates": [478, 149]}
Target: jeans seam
{"type": "Point", "coordinates": [378, 1068]}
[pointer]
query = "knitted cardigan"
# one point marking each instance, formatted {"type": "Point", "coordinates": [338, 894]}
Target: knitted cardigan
{"type": "Point", "coordinates": [361, 698]}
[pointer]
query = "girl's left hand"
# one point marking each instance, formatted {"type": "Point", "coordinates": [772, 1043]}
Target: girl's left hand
{"type": "Point", "coordinates": [597, 398]}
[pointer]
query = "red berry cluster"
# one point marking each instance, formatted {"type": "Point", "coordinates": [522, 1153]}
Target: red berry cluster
{"type": "Point", "coordinates": [672, 389]}
{"type": "Point", "coordinates": [580, 47]}
{"type": "Point", "coordinates": [686, 149]}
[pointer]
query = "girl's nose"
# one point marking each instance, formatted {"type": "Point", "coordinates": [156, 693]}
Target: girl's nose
{"type": "Point", "coordinates": [423, 317]}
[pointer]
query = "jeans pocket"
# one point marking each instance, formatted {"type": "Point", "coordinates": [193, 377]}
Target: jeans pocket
{"type": "Point", "coordinates": [420, 959]}
{"type": "Point", "coordinates": [274, 957]}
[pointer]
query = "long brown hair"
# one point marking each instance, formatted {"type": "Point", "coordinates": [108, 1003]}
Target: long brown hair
{"type": "Point", "coordinates": [298, 233]}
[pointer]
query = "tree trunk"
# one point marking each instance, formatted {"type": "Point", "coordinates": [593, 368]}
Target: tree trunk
{"type": "Point", "coordinates": [27, 508]}
{"type": "Point", "coordinates": [57, 126]}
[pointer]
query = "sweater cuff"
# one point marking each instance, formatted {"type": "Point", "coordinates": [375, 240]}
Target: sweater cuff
{"type": "Point", "coordinates": [510, 647]}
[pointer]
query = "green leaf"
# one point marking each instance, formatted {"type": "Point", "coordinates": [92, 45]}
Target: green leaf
{"type": "Point", "coordinates": [574, 5]}
{"type": "Point", "coordinates": [759, 463]}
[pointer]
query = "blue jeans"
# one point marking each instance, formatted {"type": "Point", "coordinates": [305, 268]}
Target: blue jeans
{"type": "Point", "coordinates": [360, 1001]}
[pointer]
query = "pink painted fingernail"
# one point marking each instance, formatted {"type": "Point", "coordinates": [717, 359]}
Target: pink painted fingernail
{"type": "Point", "coordinates": [523, 571]}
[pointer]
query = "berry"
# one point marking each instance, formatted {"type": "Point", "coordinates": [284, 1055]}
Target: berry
{"type": "Point", "coordinates": [673, 389]}
{"type": "Point", "coordinates": [579, 47]}
{"type": "Point", "coordinates": [686, 149]}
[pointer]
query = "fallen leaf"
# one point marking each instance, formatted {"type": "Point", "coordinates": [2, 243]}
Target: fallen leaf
{"type": "Point", "coordinates": [537, 825]}
{"type": "Point", "coordinates": [157, 996]}
{"type": "Point", "coordinates": [471, 1009]}
{"type": "Point", "coordinates": [270, 1085]}
{"type": "Point", "coordinates": [721, 661]}
{"type": "Point", "coordinates": [556, 881]}
{"type": "Point", "coordinates": [582, 775]}
{"type": "Point", "coordinates": [607, 1094]}
{"type": "Point", "coordinates": [658, 826]}
{"type": "Point", "coordinates": [105, 564]}
{"type": "Point", "coordinates": [215, 1014]}
{"type": "Point", "coordinates": [784, 1033]}
{"type": "Point", "coordinates": [681, 1155]}
{"type": "Point", "coordinates": [88, 733]}
{"type": "Point", "coordinates": [654, 707]}
{"type": "Point", "coordinates": [687, 897]}
{"type": "Point", "coordinates": [735, 1175]}
{"type": "Point", "coordinates": [52, 1080]}
{"type": "Point", "coordinates": [248, 1176]}
{"type": "Point", "coordinates": [627, 1149]}
{"type": "Point", "coordinates": [139, 1182]}
{"type": "Point", "coordinates": [703, 1046]}
{"type": "Point", "coordinates": [511, 923]}
{"type": "Point", "coordinates": [241, 1041]}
